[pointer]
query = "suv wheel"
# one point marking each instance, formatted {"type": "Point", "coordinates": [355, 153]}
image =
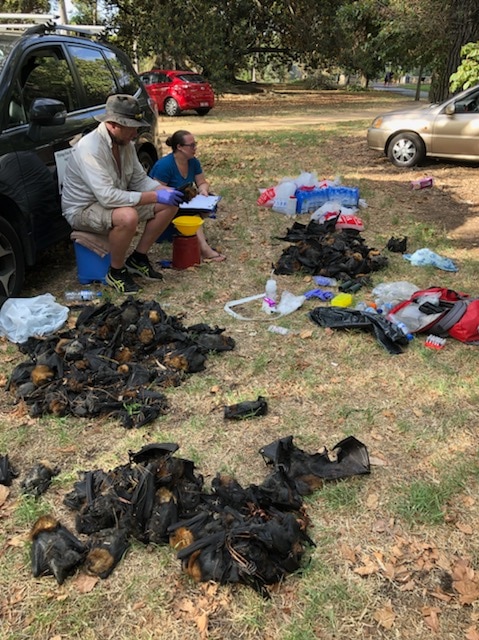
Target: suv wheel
{"type": "Point", "coordinates": [12, 266]}
{"type": "Point", "coordinates": [203, 111]}
{"type": "Point", "coordinates": [146, 160]}
{"type": "Point", "coordinates": [172, 108]}
{"type": "Point", "coordinates": [406, 150]}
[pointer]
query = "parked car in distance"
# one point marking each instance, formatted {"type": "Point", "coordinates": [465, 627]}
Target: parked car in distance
{"type": "Point", "coordinates": [177, 91]}
{"type": "Point", "coordinates": [54, 80]}
{"type": "Point", "coordinates": [446, 130]}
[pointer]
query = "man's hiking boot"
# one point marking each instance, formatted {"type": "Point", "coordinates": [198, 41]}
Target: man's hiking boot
{"type": "Point", "coordinates": [122, 281]}
{"type": "Point", "coordinates": [142, 267]}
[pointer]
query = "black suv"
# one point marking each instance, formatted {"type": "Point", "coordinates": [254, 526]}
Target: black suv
{"type": "Point", "coordinates": [53, 81]}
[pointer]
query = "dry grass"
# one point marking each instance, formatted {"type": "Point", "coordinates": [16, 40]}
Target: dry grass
{"type": "Point", "coordinates": [386, 544]}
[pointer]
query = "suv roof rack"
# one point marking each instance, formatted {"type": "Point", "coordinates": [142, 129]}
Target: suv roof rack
{"type": "Point", "coordinates": [44, 23]}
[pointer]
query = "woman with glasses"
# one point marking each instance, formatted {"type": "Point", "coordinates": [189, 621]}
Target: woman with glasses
{"type": "Point", "coordinates": [180, 168]}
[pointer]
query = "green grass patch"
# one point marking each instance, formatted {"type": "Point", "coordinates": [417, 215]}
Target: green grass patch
{"type": "Point", "coordinates": [424, 501]}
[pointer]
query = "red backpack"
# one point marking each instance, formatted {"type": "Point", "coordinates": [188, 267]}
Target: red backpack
{"type": "Point", "coordinates": [442, 312]}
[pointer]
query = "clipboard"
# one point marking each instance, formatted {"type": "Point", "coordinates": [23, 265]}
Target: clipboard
{"type": "Point", "coordinates": [200, 205]}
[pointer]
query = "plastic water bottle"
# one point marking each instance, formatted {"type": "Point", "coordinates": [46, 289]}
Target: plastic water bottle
{"type": "Point", "coordinates": [400, 325]}
{"type": "Point", "coordinates": [364, 306]}
{"type": "Point", "coordinates": [270, 296]}
{"type": "Point", "coordinates": [82, 296]}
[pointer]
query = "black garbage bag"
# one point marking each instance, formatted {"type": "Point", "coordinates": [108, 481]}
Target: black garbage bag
{"type": "Point", "coordinates": [386, 333]}
{"type": "Point", "coordinates": [349, 457]}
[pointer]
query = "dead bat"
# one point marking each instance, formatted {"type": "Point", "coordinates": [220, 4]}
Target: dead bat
{"type": "Point", "coordinates": [55, 550]}
{"type": "Point", "coordinates": [247, 409]}
{"type": "Point", "coordinates": [107, 548]}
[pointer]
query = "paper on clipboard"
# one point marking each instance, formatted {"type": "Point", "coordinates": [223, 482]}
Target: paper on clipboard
{"type": "Point", "coordinates": [201, 203]}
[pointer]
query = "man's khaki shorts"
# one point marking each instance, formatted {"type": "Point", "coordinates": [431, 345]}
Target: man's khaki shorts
{"type": "Point", "coordinates": [97, 219]}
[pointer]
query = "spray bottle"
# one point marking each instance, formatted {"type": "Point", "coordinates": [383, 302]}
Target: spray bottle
{"type": "Point", "coordinates": [270, 295]}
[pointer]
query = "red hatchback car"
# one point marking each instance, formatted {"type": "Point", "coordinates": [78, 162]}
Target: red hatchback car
{"type": "Point", "coordinates": [177, 91]}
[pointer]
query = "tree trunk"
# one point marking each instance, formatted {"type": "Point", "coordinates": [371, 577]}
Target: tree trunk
{"type": "Point", "coordinates": [464, 28]}
{"type": "Point", "coordinates": [418, 85]}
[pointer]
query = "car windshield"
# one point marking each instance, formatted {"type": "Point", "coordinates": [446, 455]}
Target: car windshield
{"type": "Point", "coordinates": [191, 77]}
{"type": "Point", "coordinates": [6, 45]}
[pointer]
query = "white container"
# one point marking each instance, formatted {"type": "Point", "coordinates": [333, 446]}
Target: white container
{"type": "Point", "coordinates": [284, 196]}
{"type": "Point", "coordinates": [270, 296]}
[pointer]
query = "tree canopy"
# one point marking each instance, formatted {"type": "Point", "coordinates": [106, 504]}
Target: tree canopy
{"type": "Point", "coordinates": [223, 38]}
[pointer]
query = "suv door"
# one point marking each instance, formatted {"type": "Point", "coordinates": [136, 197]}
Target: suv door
{"type": "Point", "coordinates": [43, 72]}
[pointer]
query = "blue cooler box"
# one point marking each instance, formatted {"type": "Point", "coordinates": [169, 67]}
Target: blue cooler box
{"type": "Point", "coordinates": [90, 266]}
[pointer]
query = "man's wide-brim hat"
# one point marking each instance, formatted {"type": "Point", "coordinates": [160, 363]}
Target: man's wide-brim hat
{"type": "Point", "coordinates": [125, 110]}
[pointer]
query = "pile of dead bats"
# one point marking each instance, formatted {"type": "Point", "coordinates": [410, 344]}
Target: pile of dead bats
{"type": "Point", "coordinates": [321, 249]}
{"type": "Point", "coordinates": [113, 362]}
{"type": "Point", "coordinates": [254, 535]}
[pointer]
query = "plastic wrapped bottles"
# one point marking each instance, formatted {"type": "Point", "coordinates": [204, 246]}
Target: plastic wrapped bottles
{"type": "Point", "coordinates": [81, 296]}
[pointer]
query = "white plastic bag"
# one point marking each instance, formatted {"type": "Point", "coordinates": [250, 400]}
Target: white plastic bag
{"type": "Point", "coordinates": [22, 318]}
{"type": "Point", "coordinates": [289, 303]}
{"type": "Point", "coordinates": [393, 292]}
{"type": "Point", "coordinates": [306, 179]}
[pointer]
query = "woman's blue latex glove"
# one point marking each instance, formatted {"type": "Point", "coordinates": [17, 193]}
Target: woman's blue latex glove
{"type": "Point", "coordinates": [172, 198]}
{"type": "Point", "coordinates": [319, 293]}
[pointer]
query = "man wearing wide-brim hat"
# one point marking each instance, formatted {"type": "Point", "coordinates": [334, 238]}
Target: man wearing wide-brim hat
{"type": "Point", "coordinates": [107, 191]}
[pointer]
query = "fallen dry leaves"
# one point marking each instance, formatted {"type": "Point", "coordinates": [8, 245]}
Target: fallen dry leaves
{"type": "Point", "coordinates": [385, 616]}
{"type": "Point", "coordinates": [472, 633]}
{"type": "Point", "coordinates": [84, 583]}
{"type": "Point", "coordinates": [4, 493]}
{"type": "Point", "coordinates": [211, 600]}
{"type": "Point", "coordinates": [409, 562]}
{"type": "Point", "coordinates": [431, 617]}
{"type": "Point", "coordinates": [465, 582]}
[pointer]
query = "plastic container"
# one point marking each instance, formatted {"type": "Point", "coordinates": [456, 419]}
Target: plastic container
{"type": "Point", "coordinates": [400, 325]}
{"type": "Point", "coordinates": [270, 296]}
{"type": "Point", "coordinates": [90, 266]}
{"type": "Point", "coordinates": [422, 183]}
{"type": "Point", "coordinates": [81, 296]}
{"type": "Point", "coordinates": [186, 252]}
{"type": "Point", "coordinates": [435, 342]}
{"type": "Point", "coordinates": [284, 199]}
{"type": "Point", "coordinates": [342, 300]}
